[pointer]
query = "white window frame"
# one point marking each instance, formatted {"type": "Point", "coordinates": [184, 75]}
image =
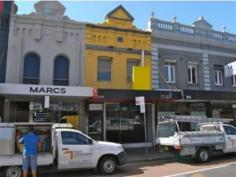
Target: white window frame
{"type": "Point", "coordinates": [190, 67]}
{"type": "Point", "coordinates": [170, 66]}
{"type": "Point", "coordinates": [218, 76]}
{"type": "Point", "coordinates": [234, 80]}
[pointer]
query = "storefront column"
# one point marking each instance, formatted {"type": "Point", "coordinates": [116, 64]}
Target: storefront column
{"type": "Point", "coordinates": [153, 125]}
{"type": "Point", "coordinates": [83, 118]}
{"type": "Point", "coordinates": [104, 122]}
{"type": "Point", "coordinates": [6, 116]}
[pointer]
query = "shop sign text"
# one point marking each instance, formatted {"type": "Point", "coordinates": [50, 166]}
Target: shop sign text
{"type": "Point", "coordinates": [48, 90]}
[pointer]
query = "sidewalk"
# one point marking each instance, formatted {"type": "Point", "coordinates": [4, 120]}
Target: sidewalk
{"type": "Point", "coordinates": [139, 155]}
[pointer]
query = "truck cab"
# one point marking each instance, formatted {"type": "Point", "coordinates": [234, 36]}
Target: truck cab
{"type": "Point", "coordinates": [77, 150]}
{"type": "Point", "coordinates": [67, 148]}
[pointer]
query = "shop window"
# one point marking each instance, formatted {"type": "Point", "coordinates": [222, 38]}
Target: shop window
{"type": "Point", "coordinates": [61, 71]}
{"type": "Point", "coordinates": [169, 72]}
{"type": "Point", "coordinates": [218, 77]}
{"type": "Point", "coordinates": [130, 65]}
{"type": "Point", "coordinates": [125, 123]}
{"type": "Point", "coordinates": [104, 69]}
{"type": "Point", "coordinates": [31, 69]}
{"type": "Point", "coordinates": [192, 74]}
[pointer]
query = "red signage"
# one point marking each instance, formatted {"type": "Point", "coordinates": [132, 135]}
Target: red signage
{"type": "Point", "coordinates": [95, 93]}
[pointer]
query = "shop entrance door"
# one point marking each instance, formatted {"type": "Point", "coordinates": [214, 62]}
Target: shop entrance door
{"type": "Point", "coordinates": [125, 124]}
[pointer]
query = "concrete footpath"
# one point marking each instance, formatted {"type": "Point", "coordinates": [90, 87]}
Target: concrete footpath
{"type": "Point", "coordinates": [140, 155]}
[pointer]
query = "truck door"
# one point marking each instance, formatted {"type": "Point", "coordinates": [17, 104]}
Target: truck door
{"type": "Point", "coordinates": [75, 150]}
{"type": "Point", "coordinates": [230, 138]}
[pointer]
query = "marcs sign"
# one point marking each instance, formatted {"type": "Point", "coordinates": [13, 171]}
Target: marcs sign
{"type": "Point", "coordinates": [47, 90]}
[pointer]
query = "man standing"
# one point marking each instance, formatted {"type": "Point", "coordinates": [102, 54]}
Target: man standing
{"type": "Point", "coordinates": [30, 141]}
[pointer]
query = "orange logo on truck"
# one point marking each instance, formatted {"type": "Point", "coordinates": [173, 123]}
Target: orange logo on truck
{"type": "Point", "coordinates": [70, 153]}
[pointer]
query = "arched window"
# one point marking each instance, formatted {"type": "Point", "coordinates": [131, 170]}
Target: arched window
{"type": "Point", "coordinates": [61, 71]}
{"type": "Point", "coordinates": [31, 69]}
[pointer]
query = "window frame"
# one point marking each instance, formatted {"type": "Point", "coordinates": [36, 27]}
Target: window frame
{"type": "Point", "coordinates": [227, 126]}
{"type": "Point", "coordinates": [35, 59]}
{"type": "Point", "coordinates": [170, 66]}
{"type": "Point", "coordinates": [88, 141]}
{"type": "Point", "coordinates": [57, 80]}
{"type": "Point", "coordinates": [218, 76]}
{"type": "Point", "coordinates": [128, 76]}
{"type": "Point", "coordinates": [190, 68]}
{"type": "Point", "coordinates": [99, 79]}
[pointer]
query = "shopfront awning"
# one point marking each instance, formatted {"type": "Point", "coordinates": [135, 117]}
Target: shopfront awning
{"type": "Point", "coordinates": [45, 90]}
{"type": "Point", "coordinates": [120, 95]}
{"type": "Point", "coordinates": [213, 96]}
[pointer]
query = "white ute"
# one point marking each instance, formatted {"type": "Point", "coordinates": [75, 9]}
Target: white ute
{"type": "Point", "coordinates": [204, 137]}
{"type": "Point", "coordinates": [64, 148]}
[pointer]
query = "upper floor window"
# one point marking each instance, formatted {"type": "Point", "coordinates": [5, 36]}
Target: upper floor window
{"type": "Point", "coordinates": [120, 39]}
{"type": "Point", "coordinates": [234, 80]}
{"type": "Point", "coordinates": [169, 72]}
{"type": "Point", "coordinates": [192, 74]}
{"type": "Point", "coordinates": [31, 69]}
{"type": "Point", "coordinates": [104, 69]}
{"type": "Point", "coordinates": [130, 65]}
{"type": "Point", "coordinates": [218, 77]}
{"type": "Point", "coordinates": [61, 71]}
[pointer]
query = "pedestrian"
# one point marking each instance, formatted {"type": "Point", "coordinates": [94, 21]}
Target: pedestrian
{"type": "Point", "coordinates": [30, 141]}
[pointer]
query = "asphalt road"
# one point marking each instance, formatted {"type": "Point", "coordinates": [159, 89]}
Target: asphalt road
{"type": "Point", "coordinates": [227, 170]}
{"type": "Point", "coordinates": [223, 166]}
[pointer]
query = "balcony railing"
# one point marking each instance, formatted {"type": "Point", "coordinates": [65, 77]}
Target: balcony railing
{"type": "Point", "coordinates": [160, 25]}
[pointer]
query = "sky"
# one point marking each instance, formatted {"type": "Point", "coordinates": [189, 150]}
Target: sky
{"type": "Point", "coordinates": [217, 13]}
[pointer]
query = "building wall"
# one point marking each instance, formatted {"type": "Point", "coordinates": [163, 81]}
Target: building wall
{"type": "Point", "coordinates": [4, 31]}
{"type": "Point", "coordinates": [101, 40]}
{"type": "Point", "coordinates": [48, 36]}
{"type": "Point", "coordinates": [198, 43]}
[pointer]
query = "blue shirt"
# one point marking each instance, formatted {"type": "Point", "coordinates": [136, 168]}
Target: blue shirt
{"type": "Point", "coordinates": [30, 141]}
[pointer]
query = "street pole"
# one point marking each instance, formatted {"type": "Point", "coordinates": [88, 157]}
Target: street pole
{"type": "Point", "coordinates": [145, 132]}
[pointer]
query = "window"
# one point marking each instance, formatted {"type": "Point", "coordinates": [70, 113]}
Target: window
{"type": "Point", "coordinates": [120, 39]}
{"type": "Point", "coordinates": [130, 65]}
{"type": "Point", "coordinates": [31, 69]}
{"type": "Point", "coordinates": [169, 72]}
{"type": "Point", "coordinates": [74, 138]}
{"type": "Point", "coordinates": [218, 78]}
{"type": "Point", "coordinates": [230, 130]}
{"type": "Point", "coordinates": [192, 74]}
{"type": "Point", "coordinates": [61, 71]}
{"type": "Point", "coordinates": [234, 80]}
{"type": "Point", "coordinates": [104, 69]}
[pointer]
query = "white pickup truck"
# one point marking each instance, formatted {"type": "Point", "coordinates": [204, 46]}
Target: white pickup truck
{"type": "Point", "coordinates": [63, 148]}
{"type": "Point", "coordinates": [205, 136]}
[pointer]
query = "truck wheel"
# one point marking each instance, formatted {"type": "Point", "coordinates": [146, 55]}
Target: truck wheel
{"type": "Point", "coordinates": [107, 165]}
{"type": "Point", "coordinates": [202, 155]}
{"type": "Point", "coordinates": [12, 171]}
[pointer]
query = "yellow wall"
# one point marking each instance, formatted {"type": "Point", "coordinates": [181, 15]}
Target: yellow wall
{"type": "Point", "coordinates": [105, 37]}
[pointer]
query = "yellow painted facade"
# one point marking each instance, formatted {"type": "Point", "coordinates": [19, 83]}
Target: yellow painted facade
{"type": "Point", "coordinates": [120, 41]}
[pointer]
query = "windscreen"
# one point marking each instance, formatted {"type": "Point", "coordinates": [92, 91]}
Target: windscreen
{"type": "Point", "coordinates": [166, 129]}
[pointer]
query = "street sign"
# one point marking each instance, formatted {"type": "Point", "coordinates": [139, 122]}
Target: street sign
{"type": "Point", "coordinates": [141, 102]}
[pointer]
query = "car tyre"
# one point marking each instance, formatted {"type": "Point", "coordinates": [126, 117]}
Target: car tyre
{"type": "Point", "coordinates": [202, 155]}
{"type": "Point", "coordinates": [11, 171]}
{"type": "Point", "coordinates": [107, 165]}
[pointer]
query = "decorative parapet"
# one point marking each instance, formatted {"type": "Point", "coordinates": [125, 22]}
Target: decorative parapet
{"type": "Point", "coordinates": [160, 25]}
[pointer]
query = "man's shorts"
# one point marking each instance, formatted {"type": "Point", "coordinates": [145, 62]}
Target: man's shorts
{"type": "Point", "coordinates": [29, 162]}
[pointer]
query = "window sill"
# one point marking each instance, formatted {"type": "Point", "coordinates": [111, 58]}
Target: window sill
{"type": "Point", "coordinates": [219, 85]}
